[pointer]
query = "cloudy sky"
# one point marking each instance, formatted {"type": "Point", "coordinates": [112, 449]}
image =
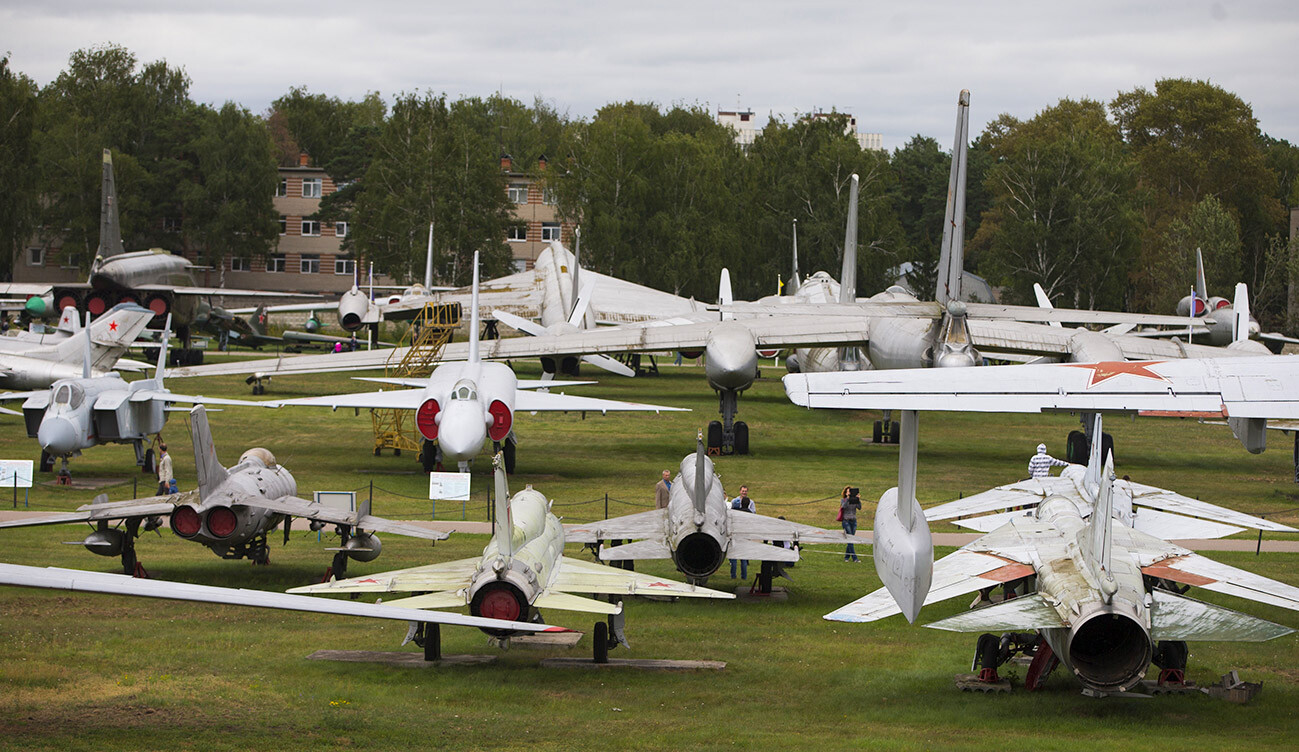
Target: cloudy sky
{"type": "Point", "coordinates": [896, 66]}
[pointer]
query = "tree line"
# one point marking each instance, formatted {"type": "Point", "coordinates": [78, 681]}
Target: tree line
{"type": "Point", "coordinates": [1103, 203]}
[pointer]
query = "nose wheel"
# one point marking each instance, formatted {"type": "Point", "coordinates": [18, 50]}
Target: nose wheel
{"type": "Point", "coordinates": [728, 436]}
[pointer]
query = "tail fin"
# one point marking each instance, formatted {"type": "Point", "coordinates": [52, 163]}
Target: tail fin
{"type": "Point", "coordinates": [951, 259]}
{"type": "Point", "coordinates": [162, 351]}
{"type": "Point", "coordinates": [848, 274]}
{"type": "Point", "coordinates": [69, 322]}
{"type": "Point", "coordinates": [1044, 302]}
{"type": "Point", "coordinates": [581, 304]}
{"type": "Point", "coordinates": [110, 228]}
{"type": "Point", "coordinates": [86, 359]}
{"type": "Point", "coordinates": [1100, 532]}
{"type": "Point", "coordinates": [1094, 475]}
{"type": "Point", "coordinates": [576, 272]}
{"type": "Point", "coordinates": [100, 344]}
{"type": "Point", "coordinates": [473, 316]}
{"type": "Point", "coordinates": [1201, 288]}
{"type": "Point", "coordinates": [701, 474]}
{"type": "Point", "coordinates": [1240, 325]}
{"type": "Point", "coordinates": [724, 295]}
{"type": "Point", "coordinates": [428, 260]}
{"type": "Point", "coordinates": [209, 470]}
{"type": "Point", "coordinates": [793, 275]}
{"type": "Point", "coordinates": [503, 530]}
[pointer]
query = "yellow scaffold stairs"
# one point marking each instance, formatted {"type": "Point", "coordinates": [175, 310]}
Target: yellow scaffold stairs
{"type": "Point", "coordinates": [415, 358]}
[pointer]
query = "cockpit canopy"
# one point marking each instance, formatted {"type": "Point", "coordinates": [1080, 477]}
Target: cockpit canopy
{"type": "Point", "coordinates": [71, 395]}
{"type": "Point", "coordinates": [464, 390]}
{"type": "Point", "coordinates": [263, 456]}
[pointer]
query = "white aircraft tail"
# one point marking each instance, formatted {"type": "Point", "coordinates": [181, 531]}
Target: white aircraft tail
{"type": "Point", "coordinates": [110, 227]}
{"type": "Point", "coordinates": [724, 295]}
{"type": "Point", "coordinates": [101, 343]}
{"type": "Point", "coordinates": [1094, 474]}
{"type": "Point", "coordinates": [1044, 302]}
{"type": "Point", "coordinates": [951, 259]}
{"type": "Point", "coordinates": [206, 465]}
{"type": "Point", "coordinates": [1201, 288]}
{"type": "Point", "coordinates": [848, 274]}
{"type": "Point", "coordinates": [577, 288]}
{"type": "Point", "coordinates": [793, 275]}
{"type": "Point", "coordinates": [70, 321]}
{"type": "Point", "coordinates": [1240, 324]}
{"type": "Point", "coordinates": [162, 352]}
{"type": "Point", "coordinates": [1100, 532]}
{"type": "Point", "coordinates": [428, 261]}
{"type": "Point", "coordinates": [904, 548]}
{"type": "Point", "coordinates": [503, 528]}
{"type": "Point", "coordinates": [473, 316]}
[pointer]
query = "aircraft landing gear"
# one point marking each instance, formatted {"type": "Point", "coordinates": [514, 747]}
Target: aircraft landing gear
{"type": "Point", "coordinates": [887, 431]}
{"type": "Point", "coordinates": [510, 449]}
{"type": "Point", "coordinates": [429, 637]}
{"type": "Point", "coordinates": [430, 456]}
{"type": "Point", "coordinates": [607, 635]}
{"type": "Point", "coordinates": [47, 462]}
{"type": "Point", "coordinates": [130, 562]}
{"type": "Point", "coordinates": [992, 651]}
{"type": "Point", "coordinates": [65, 475]}
{"type": "Point", "coordinates": [1170, 656]}
{"type": "Point", "coordinates": [728, 436]}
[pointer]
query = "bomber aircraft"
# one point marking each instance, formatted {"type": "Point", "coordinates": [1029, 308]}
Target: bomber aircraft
{"type": "Point", "coordinates": [232, 512]}
{"type": "Point", "coordinates": [522, 569]}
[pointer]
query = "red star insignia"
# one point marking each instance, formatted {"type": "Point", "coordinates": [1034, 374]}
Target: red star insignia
{"type": "Point", "coordinates": [659, 584]}
{"type": "Point", "coordinates": [65, 319]}
{"type": "Point", "coordinates": [112, 326]}
{"type": "Point", "coordinates": [368, 579]}
{"type": "Point", "coordinates": [1107, 370]}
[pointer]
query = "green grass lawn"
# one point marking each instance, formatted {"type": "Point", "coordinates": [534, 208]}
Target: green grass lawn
{"type": "Point", "coordinates": [98, 672]}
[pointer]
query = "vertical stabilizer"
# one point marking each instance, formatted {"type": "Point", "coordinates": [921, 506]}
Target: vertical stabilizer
{"type": "Point", "coordinates": [951, 258]}
{"type": "Point", "coordinates": [724, 295]}
{"type": "Point", "coordinates": [793, 275]}
{"type": "Point", "coordinates": [206, 466]}
{"type": "Point", "coordinates": [473, 316]}
{"type": "Point", "coordinates": [428, 261]}
{"type": "Point", "coordinates": [503, 530]}
{"type": "Point", "coordinates": [1240, 306]}
{"type": "Point", "coordinates": [701, 474]}
{"type": "Point", "coordinates": [576, 272]}
{"type": "Point", "coordinates": [69, 322]}
{"type": "Point", "coordinates": [162, 352]}
{"type": "Point", "coordinates": [1092, 478]}
{"type": "Point", "coordinates": [1044, 302]}
{"type": "Point", "coordinates": [110, 228]}
{"type": "Point", "coordinates": [86, 360]}
{"type": "Point", "coordinates": [1100, 532]}
{"type": "Point", "coordinates": [848, 274]}
{"type": "Point", "coordinates": [904, 548]}
{"type": "Point", "coordinates": [1201, 288]}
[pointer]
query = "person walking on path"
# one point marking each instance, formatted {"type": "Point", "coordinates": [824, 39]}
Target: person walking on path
{"type": "Point", "coordinates": [663, 491]}
{"type": "Point", "coordinates": [849, 504]}
{"type": "Point", "coordinates": [166, 480]}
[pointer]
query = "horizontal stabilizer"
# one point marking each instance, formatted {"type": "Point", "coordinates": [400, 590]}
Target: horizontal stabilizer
{"type": "Point", "coordinates": [570, 602]}
{"type": "Point", "coordinates": [445, 599]}
{"type": "Point", "coordinates": [642, 549]}
{"type": "Point", "coordinates": [577, 576]}
{"type": "Point", "coordinates": [651, 524]}
{"type": "Point", "coordinates": [748, 525]}
{"type": "Point", "coordinates": [743, 549]}
{"type": "Point", "coordinates": [1028, 612]}
{"type": "Point", "coordinates": [1176, 617]}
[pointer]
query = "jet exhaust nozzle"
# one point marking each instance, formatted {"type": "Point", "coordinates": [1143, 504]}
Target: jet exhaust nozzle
{"type": "Point", "coordinates": [698, 555]}
{"type": "Point", "coordinates": [185, 521]}
{"type": "Point", "coordinates": [499, 599]}
{"type": "Point", "coordinates": [1110, 651]}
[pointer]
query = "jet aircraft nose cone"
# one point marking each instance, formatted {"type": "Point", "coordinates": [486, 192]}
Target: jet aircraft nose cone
{"type": "Point", "coordinates": [462, 431]}
{"type": "Point", "coordinates": [57, 436]}
{"type": "Point", "coordinates": [730, 357]}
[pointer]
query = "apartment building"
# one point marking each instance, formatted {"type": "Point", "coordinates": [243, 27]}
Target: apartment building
{"type": "Point", "coordinates": [537, 218]}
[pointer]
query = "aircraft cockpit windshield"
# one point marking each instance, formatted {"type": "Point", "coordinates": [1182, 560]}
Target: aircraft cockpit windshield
{"type": "Point", "coordinates": [464, 390]}
{"type": "Point", "coordinates": [71, 395]}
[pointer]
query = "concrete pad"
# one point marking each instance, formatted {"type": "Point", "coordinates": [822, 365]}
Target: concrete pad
{"type": "Point", "coordinates": [402, 659]}
{"type": "Point", "coordinates": [777, 595]}
{"type": "Point", "coordinates": [643, 664]}
{"type": "Point", "coordinates": [547, 640]}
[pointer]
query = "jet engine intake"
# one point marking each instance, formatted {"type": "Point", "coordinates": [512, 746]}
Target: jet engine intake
{"type": "Point", "coordinates": [426, 419]}
{"type": "Point", "coordinates": [1110, 651]}
{"type": "Point", "coordinates": [698, 555]}
{"type": "Point", "coordinates": [352, 307]}
{"type": "Point", "coordinates": [502, 420]}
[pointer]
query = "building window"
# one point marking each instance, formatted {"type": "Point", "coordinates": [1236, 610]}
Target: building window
{"type": "Point", "coordinates": [284, 225]}
{"type": "Point", "coordinates": [311, 187]}
{"type": "Point", "coordinates": [549, 231]}
{"type": "Point", "coordinates": [517, 233]}
{"type": "Point", "coordinates": [240, 264]}
{"type": "Point", "coordinates": [520, 265]}
{"type": "Point", "coordinates": [548, 196]}
{"type": "Point", "coordinates": [310, 263]}
{"type": "Point", "coordinates": [518, 193]}
{"type": "Point", "coordinates": [311, 228]}
{"type": "Point", "coordinates": [340, 229]}
{"type": "Point", "coordinates": [344, 266]}
{"type": "Point", "coordinates": [275, 262]}
{"type": "Point", "coordinates": [36, 257]}
{"type": "Point", "coordinates": [171, 224]}
{"type": "Point", "coordinates": [282, 189]}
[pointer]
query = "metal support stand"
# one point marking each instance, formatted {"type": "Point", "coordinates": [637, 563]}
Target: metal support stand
{"type": "Point", "coordinates": [432, 642]}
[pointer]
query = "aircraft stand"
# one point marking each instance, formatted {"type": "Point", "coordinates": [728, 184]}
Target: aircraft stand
{"type": "Point", "coordinates": [728, 436]}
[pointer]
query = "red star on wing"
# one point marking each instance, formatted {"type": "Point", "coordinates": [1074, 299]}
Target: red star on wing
{"type": "Point", "coordinates": [112, 326]}
{"type": "Point", "coordinates": [1106, 370]}
{"type": "Point", "coordinates": [659, 584]}
{"type": "Point", "coordinates": [368, 579]}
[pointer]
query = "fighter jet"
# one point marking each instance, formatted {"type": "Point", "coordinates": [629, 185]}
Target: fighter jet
{"type": "Point", "coordinates": [522, 569]}
{"type": "Point", "coordinates": [37, 361]}
{"type": "Point", "coordinates": [698, 530]}
{"type": "Point", "coordinates": [75, 414]}
{"type": "Point", "coordinates": [155, 278]}
{"type": "Point", "coordinates": [232, 512]}
{"type": "Point", "coordinates": [1093, 593]}
{"type": "Point", "coordinates": [463, 404]}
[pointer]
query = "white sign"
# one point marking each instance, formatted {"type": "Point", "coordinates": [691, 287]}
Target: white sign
{"type": "Point", "coordinates": [446, 486]}
{"type": "Point", "coordinates": [15, 470]}
{"type": "Point", "coordinates": [343, 501]}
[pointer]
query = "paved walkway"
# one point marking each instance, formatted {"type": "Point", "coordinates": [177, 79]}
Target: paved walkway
{"type": "Point", "coordinates": [1290, 545]}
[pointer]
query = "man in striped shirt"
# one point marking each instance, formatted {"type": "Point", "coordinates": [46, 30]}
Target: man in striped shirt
{"type": "Point", "coordinates": [1040, 464]}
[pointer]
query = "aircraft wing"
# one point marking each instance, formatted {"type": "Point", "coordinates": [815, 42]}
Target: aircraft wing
{"type": "Point", "coordinates": [1200, 571]}
{"type": "Point", "coordinates": [147, 506]}
{"type": "Point", "coordinates": [26, 289]}
{"type": "Point", "coordinates": [228, 292]}
{"type": "Point", "coordinates": [120, 584]}
{"type": "Point", "coordinates": [166, 396]}
{"type": "Point", "coordinates": [297, 507]}
{"type": "Point", "coordinates": [359, 360]}
{"type": "Point", "coordinates": [401, 399]}
{"type": "Point", "coordinates": [1168, 501]}
{"type": "Point", "coordinates": [762, 527]}
{"type": "Point", "coordinates": [649, 524]}
{"type": "Point", "coordinates": [1259, 387]}
{"type": "Point", "coordinates": [1018, 337]}
{"type": "Point", "coordinates": [449, 575]}
{"type": "Point", "coordinates": [526, 400]}
{"type": "Point", "coordinates": [977, 311]}
{"type": "Point", "coordinates": [1150, 521]}
{"type": "Point", "coordinates": [1024, 493]}
{"type": "Point", "coordinates": [522, 383]}
{"type": "Point", "coordinates": [577, 576]}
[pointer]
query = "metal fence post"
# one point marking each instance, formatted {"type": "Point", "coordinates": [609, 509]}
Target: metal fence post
{"type": "Point", "coordinates": [606, 506]}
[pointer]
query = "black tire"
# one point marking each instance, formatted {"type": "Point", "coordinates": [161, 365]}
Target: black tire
{"type": "Point", "coordinates": [877, 435]}
{"type": "Point", "coordinates": [47, 462]}
{"type": "Point", "coordinates": [510, 450]}
{"type": "Point", "coordinates": [378, 451]}
{"type": "Point", "coordinates": [895, 432]}
{"type": "Point", "coordinates": [715, 434]}
{"type": "Point", "coordinates": [396, 452]}
{"type": "Point", "coordinates": [601, 642]}
{"type": "Point", "coordinates": [428, 456]}
{"type": "Point", "coordinates": [1107, 447]}
{"type": "Point", "coordinates": [129, 561]}
{"type": "Point", "coordinates": [1171, 654]}
{"type": "Point", "coordinates": [1077, 448]}
{"type": "Point", "coordinates": [741, 437]}
{"type": "Point", "coordinates": [147, 467]}
{"type": "Point", "coordinates": [987, 652]}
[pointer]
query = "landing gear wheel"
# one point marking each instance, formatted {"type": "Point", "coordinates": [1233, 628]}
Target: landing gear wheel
{"type": "Point", "coordinates": [1076, 448]}
{"type": "Point", "coordinates": [1107, 446]}
{"type": "Point", "coordinates": [147, 467]}
{"type": "Point", "coordinates": [877, 435]}
{"type": "Point", "coordinates": [1170, 656]}
{"type": "Point", "coordinates": [601, 640]}
{"type": "Point", "coordinates": [741, 437]}
{"type": "Point", "coordinates": [378, 451]}
{"type": "Point", "coordinates": [510, 450]}
{"type": "Point", "coordinates": [428, 456]}
{"type": "Point", "coordinates": [895, 432]}
{"type": "Point", "coordinates": [986, 658]}
{"type": "Point", "coordinates": [47, 462]}
{"type": "Point", "coordinates": [714, 435]}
